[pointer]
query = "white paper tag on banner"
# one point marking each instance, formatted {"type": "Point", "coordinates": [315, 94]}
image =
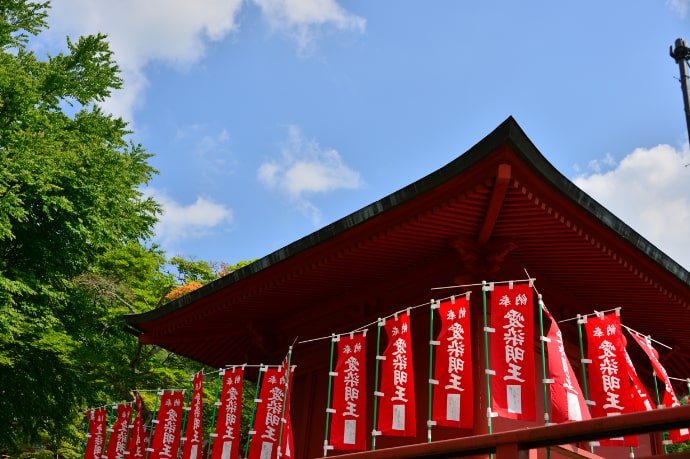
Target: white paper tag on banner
{"type": "Point", "coordinates": [195, 450]}
{"type": "Point", "coordinates": [350, 434]}
{"type": "Point", "coordinates": [514, 393]}
{"type": "Point", "coordinates": [266, 450]}
{"type": "Point", "coordinates": [453, 407]}
{"type": "Point", "coordinates": [227, 447]}
{"type": "Point", "coordinates": [574, 413]}
{"type": "Point", "coordinates": [398, 417]}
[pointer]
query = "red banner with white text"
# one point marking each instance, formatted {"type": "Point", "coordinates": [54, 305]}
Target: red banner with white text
{"type": "Point", "coordinates": [136, 448]}
{"type": "Point", "coordinates": [513, 387]}
{"type": "Point", "coordinates": [95, 443]}
{"type": "Point", "coordinates": [226, 443]}
{"type": "Point", "coordinates": [166, 434]}
{"type": "Point", "coordinates": [567, 399]}
{"type": "Point", "coordinates": [117, 440]}
{"type": "Point", "coordinates": [670, 399]}
{"type": "Point", "coordinates": [269, 413]}
{"type": "Point", "coordinates": [191, 442]}
{"type": "Point", "coordinates": [349, 415]}
{"type": "Point", "coordinates": [609, 384]}
{"type": "Point", "coordinates": [397, 400]}
{"type": "Point", "coordinates": [453, 397]}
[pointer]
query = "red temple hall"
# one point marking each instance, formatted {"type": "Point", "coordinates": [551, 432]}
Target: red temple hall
{"type": "Point", "coordinates": [468, 269]}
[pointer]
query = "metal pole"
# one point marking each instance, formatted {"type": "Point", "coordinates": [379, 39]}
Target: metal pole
{"type": "Point", "coordinates": [681, 54]}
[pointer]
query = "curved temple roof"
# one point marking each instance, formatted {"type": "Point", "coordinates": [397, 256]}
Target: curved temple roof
{"type": "Point", "coordinates": [494, 213]}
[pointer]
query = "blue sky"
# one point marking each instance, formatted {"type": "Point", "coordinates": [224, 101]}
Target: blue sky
{"type": "Point", "coordinates": [269, 119]}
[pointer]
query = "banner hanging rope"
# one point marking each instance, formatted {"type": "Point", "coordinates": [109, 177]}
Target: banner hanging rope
{"type": "Point", "coordinates": [631, 330]}
{"type": "Point", "coordinates": [529, 279]}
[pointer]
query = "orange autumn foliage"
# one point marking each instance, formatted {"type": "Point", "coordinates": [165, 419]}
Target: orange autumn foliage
{"type": "Point", "coordinates": [183, 290]}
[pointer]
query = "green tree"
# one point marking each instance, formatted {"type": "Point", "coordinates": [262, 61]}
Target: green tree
{"type": "Point", "coordinates": [69, 194]}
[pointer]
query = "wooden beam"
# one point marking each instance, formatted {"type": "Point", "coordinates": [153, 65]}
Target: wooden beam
{"type": "Point", "coordinates": [498, 195]}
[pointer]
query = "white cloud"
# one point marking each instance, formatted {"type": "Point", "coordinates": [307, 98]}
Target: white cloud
{"type": "Point", "coordinates": [171, 31]}
{"type": "Point", "coordinates": [650, 191]}
{"type": "Point", "coordinates": [679, 6]}
{"type": "Point", "coordinates": [598, 164]}
{"type": "Point", "coordinates": [176, 32]}
{"type": "Point", "coordinates": [305, 169]}
{"type": "Point", "coordinates": [300, 19]}
{"type": "Point", "coordinates": [180, 222]}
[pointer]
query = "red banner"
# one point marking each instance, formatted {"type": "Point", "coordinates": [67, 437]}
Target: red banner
{"type": "Point", "coordinates": [640, 396]}
{"type": "Point", "coordinates": [226, 443]}
{"type": "Point", "coordinates": [96, 436]}
{"type": "Point", "coordinates": [567, 400]}
{"type": "Point", "coordinates": [191, 442]}
{"type": "Point", "coordinates": [166, 434]}
{"type": "Point", "coordinates": [269, 413]}
{"type": "Point", "coordinates": [117, 440]}
{"type": "Point", "coordinates": [670, 399]}
{"type": "Point", "coordinates": [136, 449]}
{"type": "Point", "coordinates": [348, 423]}
{"type": "Point", "coordinates": [397, 409]}
{"type": "Point", "coordinates": [453, 390]}
{"type": "Point", "coordinates": [609, 384]}
{"type": "Point", "coordinates": [513, 386]}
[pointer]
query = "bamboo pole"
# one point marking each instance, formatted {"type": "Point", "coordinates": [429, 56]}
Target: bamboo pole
{"type": "Point", "coordinates": [251, 418]}
{"type": "Point", "coordinates": [329, 408]}
{"type": "Point", "coordinates": [433, 306]}
{"type": "Point", "coordinates": [219, 384]}
{"type": "Point", "coordinates": [376, 384]}
{"type": "Point", "coordinates": [286, 389]}
{"type": "Point", "coordinates": [542, 340]}
{"type": "Point", "coordinates": [487, 371]}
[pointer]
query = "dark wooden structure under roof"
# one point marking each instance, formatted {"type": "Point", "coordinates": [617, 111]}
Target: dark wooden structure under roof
{"type": "Point", "coordinates": [494, 213]}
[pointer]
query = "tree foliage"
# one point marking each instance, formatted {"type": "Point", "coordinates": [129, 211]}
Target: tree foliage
{"type": "Point", "coordinates": [74, 251]}
{"type": "Point", "coordinates": [69, 195]}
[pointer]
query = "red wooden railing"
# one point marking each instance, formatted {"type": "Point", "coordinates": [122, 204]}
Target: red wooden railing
{"type": "Point", "coordinates": [516, 444]}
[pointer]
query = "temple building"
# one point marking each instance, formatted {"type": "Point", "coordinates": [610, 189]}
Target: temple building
{"type": "Point", "coordinates": [498, 212]}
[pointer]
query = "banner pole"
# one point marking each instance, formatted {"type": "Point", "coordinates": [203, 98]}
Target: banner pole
{"type": "Point", "coordinates": [130, 422]}
{"type": "Point", "coordinates": [429, 423]}
{"type": "Point", "coordinates": [288, 372]}
{"type": "Point", "coordinates": [543, 363]}
{"type": "Point", "coordinates": [585, 388]}
{"type": "Point", "coordinates": [487, 374]}
{"type": "Point", "coordinates": [153, 427]}
{"type": "Point", "coordinates": [262, 368]}
{"type": "Point", "coordinates": [88, 431]}
{"type": "Point", "coordinates": [328, 401]}
{"type": "Point", "coordinates": [219, 384]}
{"type": "Point", "coordinates": [664, 435]}
{"type": "Point", "coordinates": [108, 427]}
{"type": "Point", "coordinates": [185, 416]}
{"type": "Point", "coordinates": [376, 384]}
